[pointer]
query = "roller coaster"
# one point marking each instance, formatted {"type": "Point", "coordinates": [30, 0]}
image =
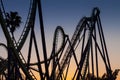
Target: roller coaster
{"type": "Point", "coordinates": [86, 48]}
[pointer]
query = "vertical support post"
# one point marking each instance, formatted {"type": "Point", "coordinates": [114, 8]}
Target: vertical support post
{"type": "Point", "coordinates": [109, 71]}
{"type": "Point", "coordinates": [92, 58]}
{"type": "Point", "coordinates": [88, 70]}
{"type": "Point", "coordinates": [91, 28]}
{"type": "Point", "coordinates": [38, 58]}
{"type": "Point", "coordinates": [54, 63]}
{"type": "Point", "coordinates": [83, 41]}
{"type": "Point", "coordinates": [9, 59]}
{"type": "Point", "coordinates": [104, 42]}
{"type": "Point", "coordinates": [96, 54]}
{"type": "Point", "coordinates": [43, 38]}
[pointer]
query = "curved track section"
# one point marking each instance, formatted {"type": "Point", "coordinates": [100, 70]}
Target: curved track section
{"type": "Point", "coordinates": [58, 35]}
{"type": "Point", "coordinates": [61, 54]}
{"type": "Point", "coordinates": [68, 53]}
{"type": "Point", "coordinates": [59, 31]}
{"type": "Point", "coordinates": [3, 62]}
{"type": "Point", "coordinates": [21, 41]}
{"type": "Point", "coordinates": [28, 25]}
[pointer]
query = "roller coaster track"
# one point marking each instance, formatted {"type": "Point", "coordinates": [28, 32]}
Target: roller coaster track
{"type": "Point", "coordinates": [56, 35]}
{"type": "Point", "coordinates": [68, 53]}
{"type": "Point", "coordinates": [21, 41]}
{"type": "Point", "coordinates": [61, 54]}
{"type": "Point", "coordinates": [90, 22]}
{"type": "Point", "coordinates": [55, 55]}
{"type": "Point", "coordinates": [29, 23]}
{"type": "Point", "coordinates": [3, 62]}
{"type": "Point", "coordinates": [83, 64]}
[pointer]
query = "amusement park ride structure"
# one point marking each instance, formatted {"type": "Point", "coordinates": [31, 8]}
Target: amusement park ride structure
{"type": "Point", "coordinates": [88, 35]}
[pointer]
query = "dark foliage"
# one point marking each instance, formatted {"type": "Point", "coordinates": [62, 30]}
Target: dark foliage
{"type": "Point", "coordinates": [13, 21]}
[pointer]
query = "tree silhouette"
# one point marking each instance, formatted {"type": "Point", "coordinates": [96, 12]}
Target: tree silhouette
{"type": "Point", "coordinates": [13, 21]}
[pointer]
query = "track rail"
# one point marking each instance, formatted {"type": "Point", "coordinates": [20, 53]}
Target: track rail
{"type": "Point", "coordinates": [22, 39]}
{"type": "Point", "coordinates": [29, 23]}
{"type": "Point", "coordinates": [68, 53]}
{"type": "Point", "coordinates": [60, 56]}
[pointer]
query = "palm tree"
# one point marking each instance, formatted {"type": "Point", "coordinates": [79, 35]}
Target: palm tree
{"type": "Point", "coordinates": [13, 21]}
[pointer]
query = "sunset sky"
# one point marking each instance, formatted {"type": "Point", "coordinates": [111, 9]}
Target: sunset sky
{"type": "Point", "coordinates": [67, 13]}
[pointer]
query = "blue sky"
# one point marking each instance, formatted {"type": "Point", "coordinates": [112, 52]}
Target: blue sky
{"type": "Point", "coordinates": [67, 14]}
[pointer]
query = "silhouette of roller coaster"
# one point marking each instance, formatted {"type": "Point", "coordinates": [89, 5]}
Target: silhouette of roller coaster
{"type": "Point", "coordinates": [86, 47]}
